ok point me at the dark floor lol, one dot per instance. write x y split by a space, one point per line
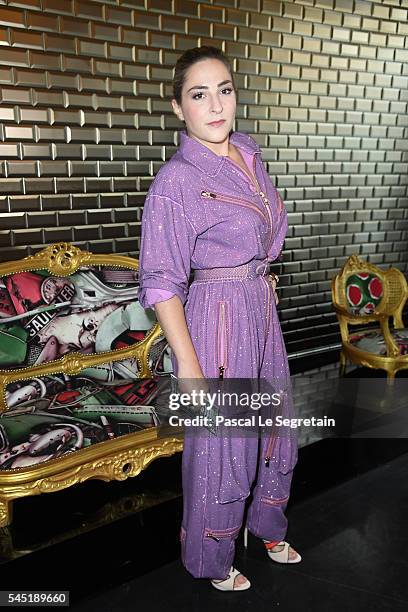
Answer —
115 545
352 538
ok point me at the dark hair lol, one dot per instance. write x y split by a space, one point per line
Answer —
190 57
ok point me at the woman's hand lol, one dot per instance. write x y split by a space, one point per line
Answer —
191 378
274 281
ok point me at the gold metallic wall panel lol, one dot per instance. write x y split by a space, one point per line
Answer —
86 122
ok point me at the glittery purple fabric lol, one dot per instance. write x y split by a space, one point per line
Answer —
202 211
152 296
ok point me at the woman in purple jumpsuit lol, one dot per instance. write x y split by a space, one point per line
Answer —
212 208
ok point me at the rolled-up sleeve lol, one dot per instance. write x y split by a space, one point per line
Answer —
167 244
280 232
152 296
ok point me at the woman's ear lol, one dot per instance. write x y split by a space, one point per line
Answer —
177 109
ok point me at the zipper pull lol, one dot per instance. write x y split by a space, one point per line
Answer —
210 535
267 459
221 369
208 194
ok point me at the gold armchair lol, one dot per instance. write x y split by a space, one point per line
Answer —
363 293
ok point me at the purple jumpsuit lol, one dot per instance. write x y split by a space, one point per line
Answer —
202 211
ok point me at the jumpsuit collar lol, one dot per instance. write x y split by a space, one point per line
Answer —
206 160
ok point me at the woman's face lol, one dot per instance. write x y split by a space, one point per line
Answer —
208 95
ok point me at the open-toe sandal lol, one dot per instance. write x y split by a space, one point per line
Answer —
282 556
229 584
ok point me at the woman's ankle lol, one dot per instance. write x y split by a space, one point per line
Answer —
270 544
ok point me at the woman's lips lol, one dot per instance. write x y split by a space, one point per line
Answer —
217 123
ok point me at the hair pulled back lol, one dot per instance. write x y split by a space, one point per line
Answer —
190 57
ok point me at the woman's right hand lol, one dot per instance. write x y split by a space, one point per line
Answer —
191 378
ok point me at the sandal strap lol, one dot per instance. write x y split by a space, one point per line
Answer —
270 545
284 552
230 578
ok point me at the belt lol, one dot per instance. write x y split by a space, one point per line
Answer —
250 270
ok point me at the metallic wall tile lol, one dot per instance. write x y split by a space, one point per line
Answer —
322 86
13 18
272 7
26 40
76 27
88 9
42 219
71 218
95 49
119 52
42 22
21 168
29 4
12 220
76 64
118 15
5 239
27 237
54 202
58 234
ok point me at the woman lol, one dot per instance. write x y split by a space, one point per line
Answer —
212 208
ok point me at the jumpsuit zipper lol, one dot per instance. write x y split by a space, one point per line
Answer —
222 533
265 201
269 449
272 438
240 201
222 341
268 219
233 200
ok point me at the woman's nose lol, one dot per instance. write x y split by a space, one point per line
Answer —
216 105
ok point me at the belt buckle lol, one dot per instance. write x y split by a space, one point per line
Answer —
265 264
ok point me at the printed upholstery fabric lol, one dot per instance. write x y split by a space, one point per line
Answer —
69 413
364 292
43 317
372 341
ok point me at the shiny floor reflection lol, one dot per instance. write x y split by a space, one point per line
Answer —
352 539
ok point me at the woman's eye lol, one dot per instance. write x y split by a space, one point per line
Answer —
200 93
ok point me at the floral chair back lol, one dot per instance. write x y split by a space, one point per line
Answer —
363 294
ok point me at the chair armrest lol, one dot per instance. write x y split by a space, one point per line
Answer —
392 347
345 317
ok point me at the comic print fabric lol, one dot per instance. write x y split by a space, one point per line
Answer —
70 413
54 415
373 341
44 317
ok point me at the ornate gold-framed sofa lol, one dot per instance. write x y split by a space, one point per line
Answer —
363 293
82 365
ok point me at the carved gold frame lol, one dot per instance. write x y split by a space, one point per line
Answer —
115 459
392 305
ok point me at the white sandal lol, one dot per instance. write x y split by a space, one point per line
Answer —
282 556
229 583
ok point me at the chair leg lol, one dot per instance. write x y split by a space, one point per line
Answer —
6 512
342 370
390 377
